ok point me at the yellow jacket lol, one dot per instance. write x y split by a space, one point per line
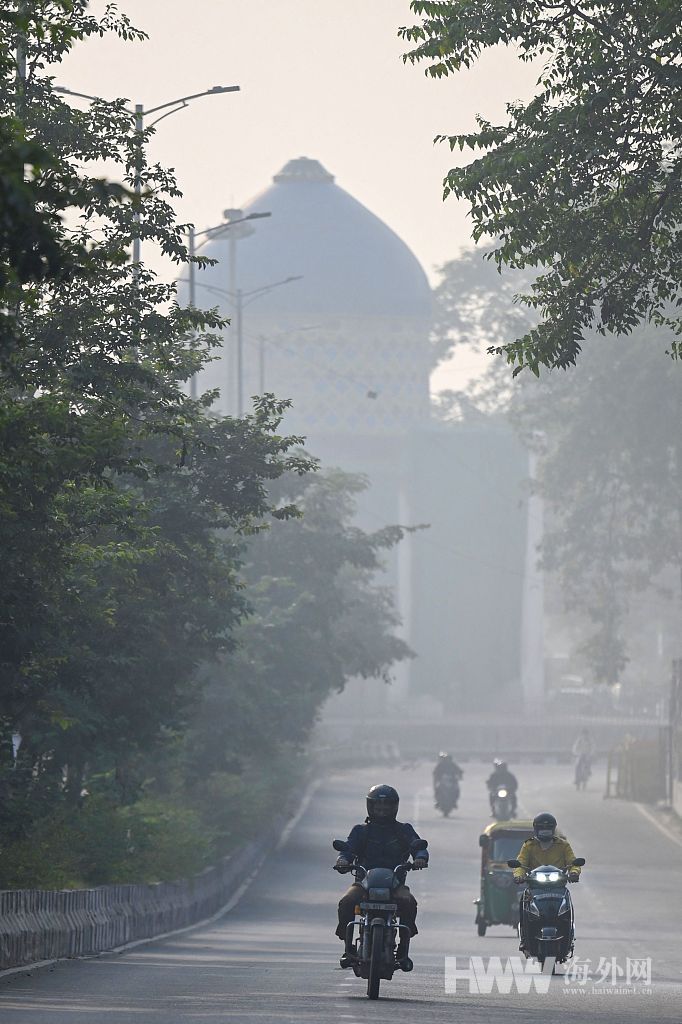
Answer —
531 855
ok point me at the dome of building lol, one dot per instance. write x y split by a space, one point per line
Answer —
347 340
348 259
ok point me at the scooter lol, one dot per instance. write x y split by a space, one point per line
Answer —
503 804
371 953
546 926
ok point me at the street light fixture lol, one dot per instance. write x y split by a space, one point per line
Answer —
216 232
238 298
140 113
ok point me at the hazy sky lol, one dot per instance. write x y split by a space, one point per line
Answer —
319 78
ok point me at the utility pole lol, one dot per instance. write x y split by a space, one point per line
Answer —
261 365
191 247
227 228
137 220
239 300
20 79
240 356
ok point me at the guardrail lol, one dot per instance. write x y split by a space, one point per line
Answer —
37 925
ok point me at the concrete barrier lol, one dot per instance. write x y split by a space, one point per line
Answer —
38 925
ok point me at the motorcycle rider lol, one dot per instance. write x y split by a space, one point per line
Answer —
381 842
502 777
544 847
446 769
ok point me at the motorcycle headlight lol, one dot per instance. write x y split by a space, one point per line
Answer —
502 792
380 895
547 876
533 909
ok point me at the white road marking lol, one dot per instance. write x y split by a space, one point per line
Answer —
661 828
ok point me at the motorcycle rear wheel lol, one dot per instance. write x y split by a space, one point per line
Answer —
374 977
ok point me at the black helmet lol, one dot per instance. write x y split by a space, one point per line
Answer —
544 826
382 803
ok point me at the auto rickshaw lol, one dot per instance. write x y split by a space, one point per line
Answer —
499 899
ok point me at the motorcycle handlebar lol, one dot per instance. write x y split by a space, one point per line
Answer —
357 868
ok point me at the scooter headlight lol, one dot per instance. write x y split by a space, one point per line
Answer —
548 876
502 792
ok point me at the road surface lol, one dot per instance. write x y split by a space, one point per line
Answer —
274 957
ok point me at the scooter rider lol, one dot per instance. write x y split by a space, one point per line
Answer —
502 777
545 847
381 842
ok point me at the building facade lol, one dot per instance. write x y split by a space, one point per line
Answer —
331 309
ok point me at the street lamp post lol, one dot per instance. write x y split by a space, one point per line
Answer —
226 228
171 107
240 304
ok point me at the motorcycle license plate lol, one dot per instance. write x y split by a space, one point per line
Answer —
392 907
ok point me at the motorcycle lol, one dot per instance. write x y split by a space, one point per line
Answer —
583 770
446 794
547 926
371 953
503 804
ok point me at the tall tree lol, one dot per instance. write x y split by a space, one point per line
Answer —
583 182
113 483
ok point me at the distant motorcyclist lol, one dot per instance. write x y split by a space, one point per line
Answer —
501 777
381 842
446 768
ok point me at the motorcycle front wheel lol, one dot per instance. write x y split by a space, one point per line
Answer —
374 977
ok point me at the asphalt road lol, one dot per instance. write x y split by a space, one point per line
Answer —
274 957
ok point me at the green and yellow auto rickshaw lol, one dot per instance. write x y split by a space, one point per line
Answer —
499 899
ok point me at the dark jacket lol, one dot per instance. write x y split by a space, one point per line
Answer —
502 777
382 845
445 769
